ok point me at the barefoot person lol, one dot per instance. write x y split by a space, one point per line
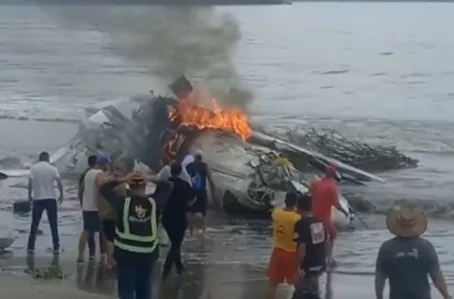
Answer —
326 195
42 193
282 266
310 236
200 173
90 213
91 236
136 235
408 259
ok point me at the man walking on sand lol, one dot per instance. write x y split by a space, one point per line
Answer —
407 259
41 193
282 266
310 236
90 199
91 236
200 173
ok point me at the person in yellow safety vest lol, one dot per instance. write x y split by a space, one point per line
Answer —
136 235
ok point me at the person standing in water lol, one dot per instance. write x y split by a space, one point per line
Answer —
41 192
326 195
136 247
200 173
282 265
174 218
90 213
407 259
310 236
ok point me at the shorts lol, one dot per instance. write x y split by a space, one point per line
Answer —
200 205
331 230
91 221
282 266
108 229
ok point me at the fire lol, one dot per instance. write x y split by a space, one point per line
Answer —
224 119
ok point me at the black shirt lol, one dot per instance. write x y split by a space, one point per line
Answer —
177 205
309 231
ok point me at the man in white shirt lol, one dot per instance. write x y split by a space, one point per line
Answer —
41 191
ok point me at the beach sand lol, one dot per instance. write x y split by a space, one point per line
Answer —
228 263
223 281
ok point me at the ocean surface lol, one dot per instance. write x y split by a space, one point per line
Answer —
377 72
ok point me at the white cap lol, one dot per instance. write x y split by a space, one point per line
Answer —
198 153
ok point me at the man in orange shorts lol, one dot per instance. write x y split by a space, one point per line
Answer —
326 195
283 261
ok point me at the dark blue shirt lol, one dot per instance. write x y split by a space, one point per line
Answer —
198 171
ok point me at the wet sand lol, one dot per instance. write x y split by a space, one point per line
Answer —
92 282
229 262
205 278
200 281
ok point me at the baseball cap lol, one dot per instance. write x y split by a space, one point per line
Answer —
102 159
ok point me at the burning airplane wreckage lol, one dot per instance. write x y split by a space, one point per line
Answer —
251 169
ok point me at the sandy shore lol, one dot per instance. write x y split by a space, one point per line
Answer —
221 284
26 287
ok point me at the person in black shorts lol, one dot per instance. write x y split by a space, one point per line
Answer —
200 173
91 236
91 222
310 236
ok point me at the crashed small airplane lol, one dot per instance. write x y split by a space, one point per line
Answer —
251 169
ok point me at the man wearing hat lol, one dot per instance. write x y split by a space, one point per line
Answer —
135 234
408 259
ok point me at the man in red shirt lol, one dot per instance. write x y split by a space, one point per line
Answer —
326 195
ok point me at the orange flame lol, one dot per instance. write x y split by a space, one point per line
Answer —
224 119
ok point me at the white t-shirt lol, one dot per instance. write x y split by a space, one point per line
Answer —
164 174
43 176
90 194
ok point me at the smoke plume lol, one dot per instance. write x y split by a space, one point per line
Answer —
199 42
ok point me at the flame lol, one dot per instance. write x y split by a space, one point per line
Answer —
225 119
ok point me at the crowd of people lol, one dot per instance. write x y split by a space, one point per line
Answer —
304 235
115 204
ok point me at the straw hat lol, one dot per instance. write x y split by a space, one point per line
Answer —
406 222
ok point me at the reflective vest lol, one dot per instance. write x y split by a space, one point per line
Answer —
140 240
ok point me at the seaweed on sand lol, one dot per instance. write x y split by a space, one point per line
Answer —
49 272
372 157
